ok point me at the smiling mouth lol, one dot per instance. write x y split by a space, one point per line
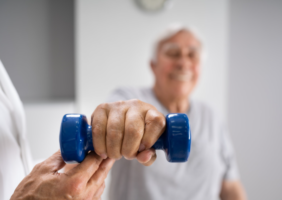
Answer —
181 77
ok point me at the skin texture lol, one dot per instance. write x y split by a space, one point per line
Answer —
84 181
127 128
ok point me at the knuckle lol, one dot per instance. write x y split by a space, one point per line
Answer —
42 167
95 184
75 190
102 168
102 106
148 143
158 120
76 187
37 167
97 130
119 103
135 102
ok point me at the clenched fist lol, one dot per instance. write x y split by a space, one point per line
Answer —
127 128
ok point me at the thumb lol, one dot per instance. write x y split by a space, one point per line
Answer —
54 163
147 157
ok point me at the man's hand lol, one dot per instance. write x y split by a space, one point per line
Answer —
127 128
85 181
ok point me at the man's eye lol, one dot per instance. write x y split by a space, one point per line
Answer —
173 54
193 55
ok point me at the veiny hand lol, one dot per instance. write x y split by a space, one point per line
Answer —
85 181
127 128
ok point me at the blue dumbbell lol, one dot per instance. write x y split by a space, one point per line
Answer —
76 138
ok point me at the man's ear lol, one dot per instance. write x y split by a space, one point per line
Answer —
153 66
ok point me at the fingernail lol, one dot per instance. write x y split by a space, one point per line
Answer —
128 158
104 155
119 158
142 147
151 155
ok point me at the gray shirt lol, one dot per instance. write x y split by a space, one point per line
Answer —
211 160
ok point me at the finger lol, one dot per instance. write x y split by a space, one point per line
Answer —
87 168
69 166
147 157
99 192
52 164
99 124
133 133
115 131
99 176
154 128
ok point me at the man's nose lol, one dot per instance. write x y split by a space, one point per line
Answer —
184 62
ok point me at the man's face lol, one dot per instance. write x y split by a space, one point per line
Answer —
177 66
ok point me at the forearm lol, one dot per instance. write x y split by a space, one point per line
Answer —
234 196
232 190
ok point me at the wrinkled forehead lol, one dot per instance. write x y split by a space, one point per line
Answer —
181 39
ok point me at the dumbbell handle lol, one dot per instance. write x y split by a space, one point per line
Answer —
89 144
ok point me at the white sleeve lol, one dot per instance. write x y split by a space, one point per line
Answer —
12 168
18 116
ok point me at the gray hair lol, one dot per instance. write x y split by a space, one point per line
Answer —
171 31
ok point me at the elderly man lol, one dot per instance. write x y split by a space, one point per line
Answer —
132 122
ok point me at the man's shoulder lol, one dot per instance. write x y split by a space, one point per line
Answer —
126 93
204 110
127 90
206 121
201 106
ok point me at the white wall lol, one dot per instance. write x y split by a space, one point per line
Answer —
255 94
113 45
43 126
37 47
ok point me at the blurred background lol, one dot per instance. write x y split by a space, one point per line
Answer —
67 56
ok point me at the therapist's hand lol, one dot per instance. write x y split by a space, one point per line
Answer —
85 181
127 128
